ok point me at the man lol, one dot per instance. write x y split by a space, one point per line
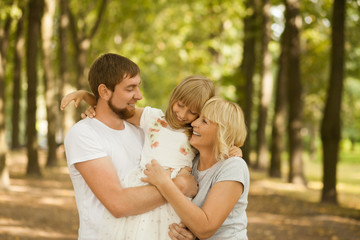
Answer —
101 151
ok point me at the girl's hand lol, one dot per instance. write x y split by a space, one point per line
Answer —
90 112
235 152
76 96
156 174
179 231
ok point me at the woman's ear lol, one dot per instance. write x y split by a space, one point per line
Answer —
104 92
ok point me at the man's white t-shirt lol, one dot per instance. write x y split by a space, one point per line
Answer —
91 139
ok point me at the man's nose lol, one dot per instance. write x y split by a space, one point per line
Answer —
138 94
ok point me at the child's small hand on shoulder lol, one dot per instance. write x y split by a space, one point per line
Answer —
235 152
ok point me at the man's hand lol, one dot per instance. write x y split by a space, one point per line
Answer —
179 231
186 182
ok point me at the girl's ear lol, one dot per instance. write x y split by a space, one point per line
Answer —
104 92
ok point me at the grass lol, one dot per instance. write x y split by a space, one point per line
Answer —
348 176
348 167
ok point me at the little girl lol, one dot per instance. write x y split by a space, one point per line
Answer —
167 141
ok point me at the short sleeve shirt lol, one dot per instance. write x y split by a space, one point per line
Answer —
232 169
90 139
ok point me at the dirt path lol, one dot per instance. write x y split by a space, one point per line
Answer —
45 208
296 214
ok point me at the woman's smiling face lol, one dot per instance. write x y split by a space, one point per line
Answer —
204 133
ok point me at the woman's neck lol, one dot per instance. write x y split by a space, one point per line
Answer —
207 159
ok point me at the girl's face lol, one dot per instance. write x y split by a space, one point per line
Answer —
184 114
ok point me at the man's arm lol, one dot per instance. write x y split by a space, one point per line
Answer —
101 177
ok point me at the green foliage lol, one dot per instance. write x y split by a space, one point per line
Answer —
316 43
315 58
8 8
352 35
351 110
171 40
85 12
351 101
349 152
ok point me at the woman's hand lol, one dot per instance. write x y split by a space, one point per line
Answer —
235 152
179 231
156 174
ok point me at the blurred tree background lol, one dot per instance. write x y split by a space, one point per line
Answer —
292 65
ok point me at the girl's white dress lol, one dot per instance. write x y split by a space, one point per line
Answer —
171 149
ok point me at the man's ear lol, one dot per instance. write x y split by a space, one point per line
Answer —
104 92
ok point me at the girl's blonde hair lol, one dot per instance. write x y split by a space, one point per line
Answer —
229 118
193 91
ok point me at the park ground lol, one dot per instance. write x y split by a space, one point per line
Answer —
44 208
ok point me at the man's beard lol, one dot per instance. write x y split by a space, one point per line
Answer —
122 113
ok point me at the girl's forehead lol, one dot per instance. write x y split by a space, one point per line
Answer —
192 105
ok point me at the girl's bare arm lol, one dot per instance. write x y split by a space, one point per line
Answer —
77 97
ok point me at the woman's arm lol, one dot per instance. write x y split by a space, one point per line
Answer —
205 221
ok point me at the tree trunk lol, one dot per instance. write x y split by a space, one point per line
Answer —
4 42
279 121
266 83
293 23
82 43
313 130
81 54
66 117
330 127
247 69
35 9
18 56
47 27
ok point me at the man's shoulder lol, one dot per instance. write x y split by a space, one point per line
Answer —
84 123
82 127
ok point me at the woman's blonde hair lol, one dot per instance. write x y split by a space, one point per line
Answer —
193 91
229 118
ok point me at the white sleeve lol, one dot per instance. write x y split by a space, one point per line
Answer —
82 144
149 116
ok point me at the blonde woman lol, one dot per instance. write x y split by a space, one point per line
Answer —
218 210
